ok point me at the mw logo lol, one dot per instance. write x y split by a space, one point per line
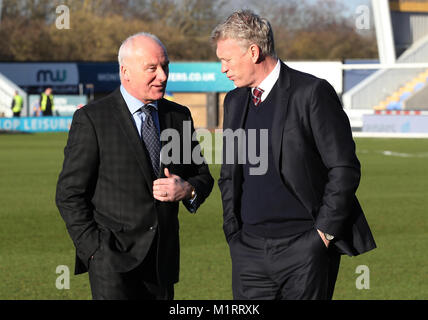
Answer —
48 75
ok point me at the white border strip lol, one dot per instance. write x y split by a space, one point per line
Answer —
366 66
389 135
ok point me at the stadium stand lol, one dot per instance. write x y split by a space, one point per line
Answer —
378 87
392 88
419 100
397 100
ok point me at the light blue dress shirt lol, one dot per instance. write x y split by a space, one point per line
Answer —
134 106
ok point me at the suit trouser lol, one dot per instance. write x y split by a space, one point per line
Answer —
138 284
295 267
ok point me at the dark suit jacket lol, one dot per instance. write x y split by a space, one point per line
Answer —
104 191
314 154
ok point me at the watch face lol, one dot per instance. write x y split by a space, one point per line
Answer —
329 237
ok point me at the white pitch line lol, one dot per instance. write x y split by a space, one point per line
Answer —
404 155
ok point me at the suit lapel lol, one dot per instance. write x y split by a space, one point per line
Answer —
127 124
241 111
240 114
165 122
281 96
242 105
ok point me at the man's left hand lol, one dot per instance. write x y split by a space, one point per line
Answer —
172 188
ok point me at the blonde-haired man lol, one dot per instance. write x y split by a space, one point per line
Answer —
287 227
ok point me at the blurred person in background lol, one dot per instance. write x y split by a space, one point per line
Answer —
47 102
288 227
119 202
17 104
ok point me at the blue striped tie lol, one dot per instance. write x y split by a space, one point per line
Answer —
150 136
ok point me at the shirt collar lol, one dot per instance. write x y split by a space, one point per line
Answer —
133 103
268 83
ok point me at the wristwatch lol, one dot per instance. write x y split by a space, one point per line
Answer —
328 237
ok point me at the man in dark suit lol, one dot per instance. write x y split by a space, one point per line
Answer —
287 225
119 201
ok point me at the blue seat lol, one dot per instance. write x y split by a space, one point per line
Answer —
405 95
394 106
418 86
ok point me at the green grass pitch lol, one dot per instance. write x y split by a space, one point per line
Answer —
33 239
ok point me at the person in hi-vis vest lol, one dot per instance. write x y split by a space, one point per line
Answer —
47 102
17 104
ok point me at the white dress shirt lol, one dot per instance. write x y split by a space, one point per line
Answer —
268 83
